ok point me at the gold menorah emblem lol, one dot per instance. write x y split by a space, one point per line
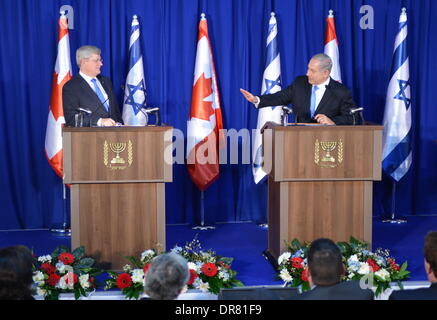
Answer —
328 160
117 162
117 148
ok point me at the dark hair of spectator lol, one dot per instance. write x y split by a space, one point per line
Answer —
325 262
166 277
430 251
16 271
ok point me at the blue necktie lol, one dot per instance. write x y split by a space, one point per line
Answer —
100 94
313 101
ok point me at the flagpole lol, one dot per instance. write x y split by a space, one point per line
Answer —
393 218
64 231
202 215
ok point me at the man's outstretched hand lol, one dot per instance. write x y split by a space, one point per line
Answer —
249 97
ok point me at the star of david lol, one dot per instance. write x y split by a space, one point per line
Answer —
270 84
403 85
130 99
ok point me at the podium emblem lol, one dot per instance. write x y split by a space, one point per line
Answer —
325 151
114 161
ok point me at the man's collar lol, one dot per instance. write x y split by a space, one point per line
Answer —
323 84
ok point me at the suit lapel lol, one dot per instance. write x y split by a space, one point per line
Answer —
89 91
326 96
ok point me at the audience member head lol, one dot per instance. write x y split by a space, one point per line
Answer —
325 266
166 277
430 252
16 273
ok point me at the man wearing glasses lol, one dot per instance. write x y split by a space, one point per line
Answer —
90 92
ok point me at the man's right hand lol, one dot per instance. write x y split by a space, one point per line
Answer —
249 97
107 122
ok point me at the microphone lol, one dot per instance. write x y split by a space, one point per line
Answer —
87 111
355 110
150 110
358 110
286 111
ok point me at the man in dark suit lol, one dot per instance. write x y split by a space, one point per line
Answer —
91 91
429 293
315 97
325 269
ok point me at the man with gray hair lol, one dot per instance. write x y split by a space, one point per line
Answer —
315 97
167 276
90 91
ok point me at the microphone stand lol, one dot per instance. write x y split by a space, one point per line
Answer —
202 215
393 219
66 232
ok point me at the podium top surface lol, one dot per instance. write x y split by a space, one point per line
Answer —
117 128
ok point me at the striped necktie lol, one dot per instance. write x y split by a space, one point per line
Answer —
313 101
100 94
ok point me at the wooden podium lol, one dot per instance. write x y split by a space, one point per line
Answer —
117 177
320 182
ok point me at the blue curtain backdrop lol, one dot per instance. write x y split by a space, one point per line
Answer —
31 193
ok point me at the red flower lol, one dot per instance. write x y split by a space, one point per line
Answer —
193 276
123 281
394 265
71 278
48 268
53 279
305 275
209 269
92 282
296 262
146 268
66 258
372 265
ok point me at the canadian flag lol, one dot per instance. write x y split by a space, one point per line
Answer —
205 116
331 46
56 120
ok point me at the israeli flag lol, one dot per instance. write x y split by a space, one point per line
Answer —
135 88
397 136
271 84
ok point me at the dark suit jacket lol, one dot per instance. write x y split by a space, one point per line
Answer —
416 294
77 93
347 290
335 103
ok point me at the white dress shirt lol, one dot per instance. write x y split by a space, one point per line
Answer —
105 95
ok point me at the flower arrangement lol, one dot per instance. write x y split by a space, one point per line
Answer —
378 268
65 272
208 272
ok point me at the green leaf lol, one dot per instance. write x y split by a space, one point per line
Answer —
79 253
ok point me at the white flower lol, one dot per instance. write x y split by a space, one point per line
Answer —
176 249
41 292
62 283
138 276
147 254
127 268
364 269
285 275
384 274
43 259
352 259
203 286
38 278
194 267
223 275
199 266
284 257
84 281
